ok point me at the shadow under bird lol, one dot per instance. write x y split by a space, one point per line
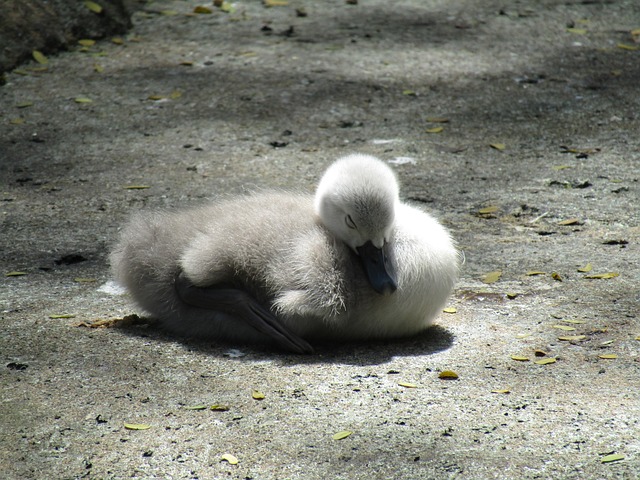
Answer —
351 263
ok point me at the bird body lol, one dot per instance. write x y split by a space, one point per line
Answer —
290 268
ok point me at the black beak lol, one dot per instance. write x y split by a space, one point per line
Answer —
378 271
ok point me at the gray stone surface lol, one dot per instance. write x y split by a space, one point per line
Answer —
343 78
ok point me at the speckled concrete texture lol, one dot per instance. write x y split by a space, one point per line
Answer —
535 169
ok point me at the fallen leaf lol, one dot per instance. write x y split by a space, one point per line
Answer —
638 337
93 6
624 46
556 276
87 42
39 57
501 391
523 335
545 361
24 104
155 97
578 31
82 100
572 338
448 375
409 93
566 328
531 273
275 3
576 322
175 94
569 221
227 7
98 68
450 310
492 277
614 457
17 121
117 40
342 434
488 210
84 280
608 356
587 268
498 146
168 13
608 342
137 426
407 385
55 316
15 274
257 395
219 408
231 459
434 130
202 10
519 358
512 295
196 407
603 275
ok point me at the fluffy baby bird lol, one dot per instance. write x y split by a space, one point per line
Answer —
351 263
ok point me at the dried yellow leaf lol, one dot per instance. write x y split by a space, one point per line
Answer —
635 32
275 3
512 295
155 97
341 435
488 210
137 426
624 46
117 40
498 146
39 57
587 268
202 10
196 407
98 68
448 375
219 407
545 361
409 93
450 310
519 358
14 274
531 273
168 13
569 221
638 337
556 276
17 121
565 328
579 31
93 6
503 391
87 42
572 338
82 100
231 459
608 356
434 130
407 385
603 275
575 322
175 94
55 316
614 457
492 277
24 104
257 395
523 335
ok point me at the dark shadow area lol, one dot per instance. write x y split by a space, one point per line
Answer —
372 352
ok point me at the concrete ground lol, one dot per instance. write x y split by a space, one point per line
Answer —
515 122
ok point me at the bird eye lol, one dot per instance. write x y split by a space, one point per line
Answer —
350 223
